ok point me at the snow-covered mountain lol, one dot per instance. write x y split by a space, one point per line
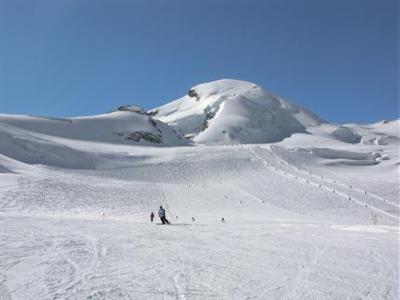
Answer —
123 126
314 215
231 111
52 141
48 140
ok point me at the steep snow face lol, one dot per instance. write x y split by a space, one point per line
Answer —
121 127
231 111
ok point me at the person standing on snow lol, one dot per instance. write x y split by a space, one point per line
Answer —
151 216
161 214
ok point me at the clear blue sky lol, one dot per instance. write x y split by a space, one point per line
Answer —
76 57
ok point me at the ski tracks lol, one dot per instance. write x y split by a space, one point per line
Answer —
318 181
82 253
300 285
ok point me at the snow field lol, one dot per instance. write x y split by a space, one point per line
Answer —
283 238
64 259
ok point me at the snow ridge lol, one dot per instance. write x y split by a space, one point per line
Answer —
230 111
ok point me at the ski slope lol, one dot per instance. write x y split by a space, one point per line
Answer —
46 258
283 238
312 216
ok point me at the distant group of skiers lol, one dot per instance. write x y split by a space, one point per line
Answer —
163 218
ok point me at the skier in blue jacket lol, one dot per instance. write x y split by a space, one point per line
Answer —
161 214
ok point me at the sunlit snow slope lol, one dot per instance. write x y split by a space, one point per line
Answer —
231 111
313 215
45 140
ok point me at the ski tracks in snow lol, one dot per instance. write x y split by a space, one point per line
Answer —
54 263
317 181
82 254
115 260
302 278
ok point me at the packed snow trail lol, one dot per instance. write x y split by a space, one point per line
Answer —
286 169
326 180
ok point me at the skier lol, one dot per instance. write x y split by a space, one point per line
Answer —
161 214
151 216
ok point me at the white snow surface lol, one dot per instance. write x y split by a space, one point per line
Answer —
115 127
313 216
230 111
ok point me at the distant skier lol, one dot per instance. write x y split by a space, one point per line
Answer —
223 220
151 216
161 214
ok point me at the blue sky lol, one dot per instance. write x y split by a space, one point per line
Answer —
337 58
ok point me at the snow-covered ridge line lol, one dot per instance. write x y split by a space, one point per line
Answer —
225 111
220 112
230 111
122 126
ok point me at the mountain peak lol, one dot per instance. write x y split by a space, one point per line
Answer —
225 87
230 111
